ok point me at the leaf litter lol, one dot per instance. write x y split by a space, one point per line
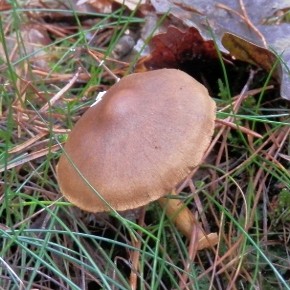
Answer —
242 28
190 33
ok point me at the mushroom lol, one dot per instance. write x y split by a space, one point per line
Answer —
138 143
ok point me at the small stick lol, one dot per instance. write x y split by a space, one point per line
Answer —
226 122
61 92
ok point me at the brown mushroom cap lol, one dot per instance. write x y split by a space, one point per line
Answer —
139 142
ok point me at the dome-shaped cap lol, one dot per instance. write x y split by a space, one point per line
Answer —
139 142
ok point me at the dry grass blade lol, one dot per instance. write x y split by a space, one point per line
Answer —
32 156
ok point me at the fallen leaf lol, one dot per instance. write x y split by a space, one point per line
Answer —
29 42
4 5
247 51
243 27
175 47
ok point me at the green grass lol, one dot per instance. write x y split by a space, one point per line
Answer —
241 191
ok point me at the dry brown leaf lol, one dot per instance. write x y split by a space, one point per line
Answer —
174 47
30 42
244 26
131 4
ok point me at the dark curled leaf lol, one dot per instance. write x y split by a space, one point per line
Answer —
175 47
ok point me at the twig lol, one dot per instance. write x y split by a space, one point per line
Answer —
243 129
61 92
245 18
32 156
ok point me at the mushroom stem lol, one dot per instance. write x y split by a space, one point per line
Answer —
185 221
